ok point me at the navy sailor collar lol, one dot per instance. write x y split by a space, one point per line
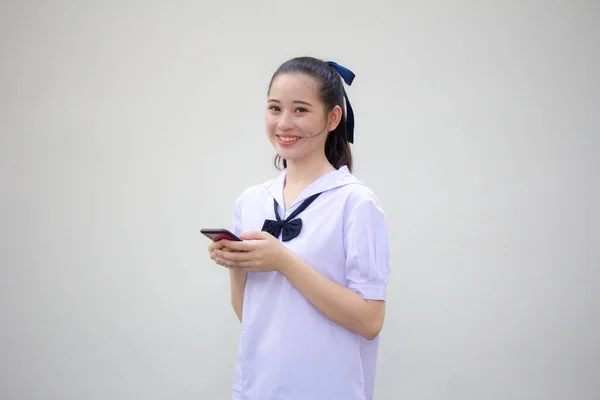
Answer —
331 180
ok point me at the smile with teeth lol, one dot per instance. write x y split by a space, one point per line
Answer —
288 139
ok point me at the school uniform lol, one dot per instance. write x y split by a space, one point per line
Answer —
287 348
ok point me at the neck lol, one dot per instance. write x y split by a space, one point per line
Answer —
301 173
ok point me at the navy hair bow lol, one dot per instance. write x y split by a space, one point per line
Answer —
348 77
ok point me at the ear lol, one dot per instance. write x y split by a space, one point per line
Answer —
334 118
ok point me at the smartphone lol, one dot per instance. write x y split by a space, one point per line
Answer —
217 234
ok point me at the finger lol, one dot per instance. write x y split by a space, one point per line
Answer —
226 266
214 257
248 266
232 256
223 263
215 245
213 253
237 260
222 248
238 246
234 265
255 235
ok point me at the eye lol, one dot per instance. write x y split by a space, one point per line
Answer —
301 109
273 108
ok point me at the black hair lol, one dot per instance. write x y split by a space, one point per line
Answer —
331 94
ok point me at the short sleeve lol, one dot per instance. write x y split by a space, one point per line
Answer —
367 246
236 218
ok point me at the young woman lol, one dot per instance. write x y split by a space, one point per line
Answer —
309 280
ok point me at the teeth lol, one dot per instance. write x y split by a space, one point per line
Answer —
288 139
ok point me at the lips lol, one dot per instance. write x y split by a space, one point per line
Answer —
287 140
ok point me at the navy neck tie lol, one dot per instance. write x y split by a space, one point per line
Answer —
290 227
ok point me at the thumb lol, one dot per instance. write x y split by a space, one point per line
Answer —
254 235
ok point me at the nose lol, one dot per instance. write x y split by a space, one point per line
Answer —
285 122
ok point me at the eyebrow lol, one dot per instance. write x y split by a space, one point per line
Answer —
295 101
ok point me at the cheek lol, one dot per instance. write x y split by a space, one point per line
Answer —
314 124
270 123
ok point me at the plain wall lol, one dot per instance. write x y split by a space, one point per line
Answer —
128 126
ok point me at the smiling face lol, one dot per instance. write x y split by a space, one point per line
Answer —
296 120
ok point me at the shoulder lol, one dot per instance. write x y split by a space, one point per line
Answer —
358 196
255 193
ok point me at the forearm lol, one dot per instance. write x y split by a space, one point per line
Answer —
238 284
338 303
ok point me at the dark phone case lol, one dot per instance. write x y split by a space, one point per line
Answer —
217 234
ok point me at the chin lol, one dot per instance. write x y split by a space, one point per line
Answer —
288 152
288 155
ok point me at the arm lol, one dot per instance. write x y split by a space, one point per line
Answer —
263 253
237 277
238 284
338 303
360 307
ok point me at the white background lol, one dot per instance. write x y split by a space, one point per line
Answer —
128 126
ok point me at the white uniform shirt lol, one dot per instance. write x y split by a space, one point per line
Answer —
288 349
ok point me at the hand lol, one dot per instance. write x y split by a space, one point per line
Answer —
259 252
213 247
